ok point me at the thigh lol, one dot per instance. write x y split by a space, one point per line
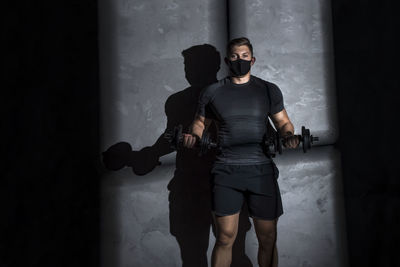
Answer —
226 226
226 200
265 207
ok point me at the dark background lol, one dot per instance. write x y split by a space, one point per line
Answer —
367 83
50 183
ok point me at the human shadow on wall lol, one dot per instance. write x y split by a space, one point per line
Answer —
190 191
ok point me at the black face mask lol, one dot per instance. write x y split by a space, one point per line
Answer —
239 67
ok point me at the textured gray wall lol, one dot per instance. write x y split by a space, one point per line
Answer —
141 61
141 66
293 48
136 229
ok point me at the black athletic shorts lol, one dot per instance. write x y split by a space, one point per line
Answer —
257 184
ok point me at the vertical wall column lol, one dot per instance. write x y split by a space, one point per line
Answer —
142 65
293 49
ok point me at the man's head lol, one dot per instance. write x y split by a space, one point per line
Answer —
239 56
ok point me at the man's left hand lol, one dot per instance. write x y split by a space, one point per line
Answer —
290 140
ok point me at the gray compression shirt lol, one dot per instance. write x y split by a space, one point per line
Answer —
241 112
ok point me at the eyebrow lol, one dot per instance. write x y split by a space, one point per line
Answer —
239 53
244 53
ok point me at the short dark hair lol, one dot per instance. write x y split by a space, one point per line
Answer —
238 42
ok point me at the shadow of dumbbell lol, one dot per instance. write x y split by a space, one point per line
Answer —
121 155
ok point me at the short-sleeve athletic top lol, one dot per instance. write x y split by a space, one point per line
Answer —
241 112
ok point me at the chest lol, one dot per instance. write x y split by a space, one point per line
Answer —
242 102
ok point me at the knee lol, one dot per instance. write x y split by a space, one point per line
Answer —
267 239
226 238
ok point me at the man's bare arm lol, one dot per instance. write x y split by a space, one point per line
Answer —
196 130
282 123
285 127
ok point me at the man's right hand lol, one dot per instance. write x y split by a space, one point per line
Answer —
189 140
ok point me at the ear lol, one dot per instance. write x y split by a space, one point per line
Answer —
253 60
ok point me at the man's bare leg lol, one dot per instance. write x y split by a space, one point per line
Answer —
266 235
226 230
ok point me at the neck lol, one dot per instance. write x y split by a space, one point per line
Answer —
242 79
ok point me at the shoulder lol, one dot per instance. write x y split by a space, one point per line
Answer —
265 83
210 89
271 87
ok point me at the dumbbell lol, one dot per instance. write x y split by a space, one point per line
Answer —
274 142
175 138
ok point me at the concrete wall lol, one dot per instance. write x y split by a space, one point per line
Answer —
162 218
293 47
146 84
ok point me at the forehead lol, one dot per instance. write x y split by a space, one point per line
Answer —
241 49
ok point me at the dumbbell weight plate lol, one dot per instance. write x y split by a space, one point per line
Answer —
204 142
309 139
178 135
174 136
305 139
279 143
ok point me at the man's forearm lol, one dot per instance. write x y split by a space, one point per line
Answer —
286 129
197 128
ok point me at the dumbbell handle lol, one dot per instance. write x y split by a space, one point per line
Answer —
277 141
199 141
175 138
205 144
283 139
300 137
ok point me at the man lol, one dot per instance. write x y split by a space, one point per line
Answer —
240 105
